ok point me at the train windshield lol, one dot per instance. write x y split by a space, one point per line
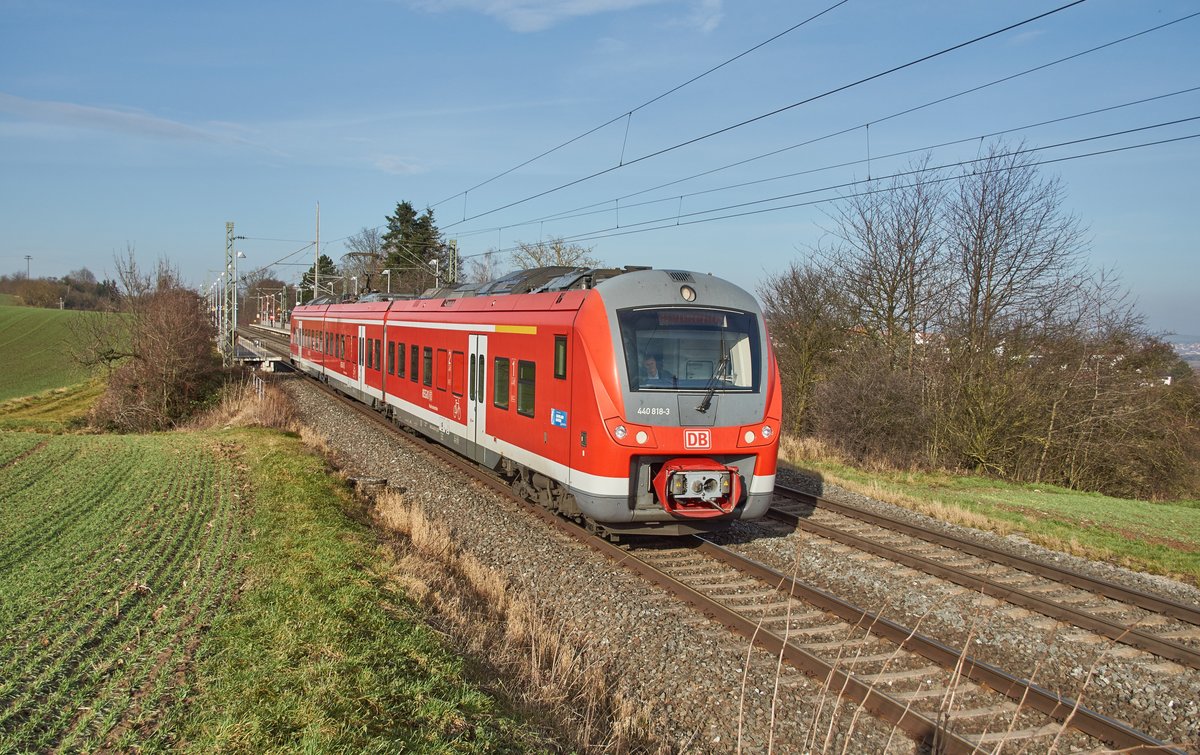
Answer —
678 348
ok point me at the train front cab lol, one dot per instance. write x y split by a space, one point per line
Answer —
692 410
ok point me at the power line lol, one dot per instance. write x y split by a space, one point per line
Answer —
695 218
612 232
841 132
565 214
900 153
652 100
777 111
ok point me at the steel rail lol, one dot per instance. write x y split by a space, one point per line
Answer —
1126 635
1052 704
1149 601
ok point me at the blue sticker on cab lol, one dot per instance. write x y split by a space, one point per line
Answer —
558 418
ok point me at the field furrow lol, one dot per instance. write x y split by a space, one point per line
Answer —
60 560
13 446
125 580
160 666
109 584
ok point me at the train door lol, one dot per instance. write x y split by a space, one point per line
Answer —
360 376
477 395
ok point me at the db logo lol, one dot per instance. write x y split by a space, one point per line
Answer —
697 439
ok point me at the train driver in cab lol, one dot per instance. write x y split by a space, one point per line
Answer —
653 373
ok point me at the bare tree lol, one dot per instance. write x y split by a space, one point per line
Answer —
157 350
1015 251
554 251
889 258
1016 259
484 267
250 285
364 259
960 329
807 315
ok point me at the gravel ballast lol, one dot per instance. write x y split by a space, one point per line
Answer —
698 683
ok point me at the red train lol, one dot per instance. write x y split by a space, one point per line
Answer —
644 401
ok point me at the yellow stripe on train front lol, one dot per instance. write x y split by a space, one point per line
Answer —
529 330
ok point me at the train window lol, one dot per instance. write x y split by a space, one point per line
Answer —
526 374
427 366
369 362
378 346
471 381
414 362
400 360
443 365
482 372
391 357
560 357
457 370
688 348
500 368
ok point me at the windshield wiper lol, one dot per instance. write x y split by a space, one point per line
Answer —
718 374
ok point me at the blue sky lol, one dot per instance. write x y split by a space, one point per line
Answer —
151 124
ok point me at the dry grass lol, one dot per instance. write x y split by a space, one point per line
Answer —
252 402
815 450
807 447
547 668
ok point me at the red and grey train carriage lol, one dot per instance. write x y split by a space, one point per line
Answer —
645 401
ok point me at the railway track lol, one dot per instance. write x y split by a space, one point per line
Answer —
1168 629
934 693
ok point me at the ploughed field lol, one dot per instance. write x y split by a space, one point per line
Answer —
115 553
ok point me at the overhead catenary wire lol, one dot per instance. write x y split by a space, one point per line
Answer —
849 129
599 208
681 219
629 114
677 220
603 207
695 218
578 211
772 113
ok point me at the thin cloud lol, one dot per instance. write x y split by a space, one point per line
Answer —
1026 37
706 16
526 16
130 122
398 166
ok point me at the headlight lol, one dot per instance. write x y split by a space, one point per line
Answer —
641 436
767 431
620 432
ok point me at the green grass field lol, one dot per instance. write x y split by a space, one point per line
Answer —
208 591
1162 538
36 348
